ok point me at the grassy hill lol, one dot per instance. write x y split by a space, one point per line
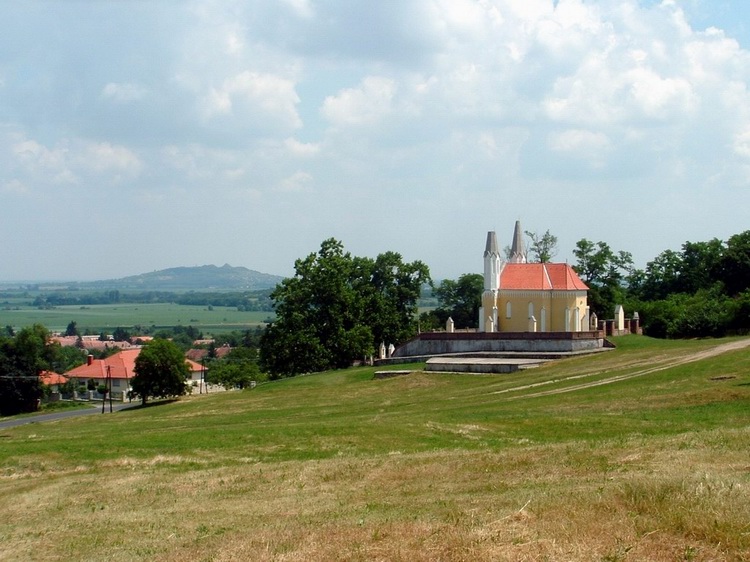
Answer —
636 454
199 278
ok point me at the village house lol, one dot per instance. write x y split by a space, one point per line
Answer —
52 379
90 342
121 368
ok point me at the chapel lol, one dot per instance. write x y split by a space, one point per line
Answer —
530 297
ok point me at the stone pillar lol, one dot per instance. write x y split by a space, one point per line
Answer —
619 317
489 325
532 324
391 349
381 351
449 326
594 321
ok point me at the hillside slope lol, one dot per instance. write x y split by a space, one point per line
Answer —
637 454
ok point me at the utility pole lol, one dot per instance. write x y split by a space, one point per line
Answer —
107 389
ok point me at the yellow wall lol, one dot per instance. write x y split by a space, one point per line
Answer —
548 304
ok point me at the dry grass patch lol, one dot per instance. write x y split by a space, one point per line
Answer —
626 501
424 467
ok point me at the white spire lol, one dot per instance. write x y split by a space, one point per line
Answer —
491 263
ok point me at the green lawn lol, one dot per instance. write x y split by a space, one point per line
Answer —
537 465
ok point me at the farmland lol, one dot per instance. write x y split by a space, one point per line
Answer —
635 454
98 318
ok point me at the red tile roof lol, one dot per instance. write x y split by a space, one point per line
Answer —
199 354
89 343
122 366
50 378
540 277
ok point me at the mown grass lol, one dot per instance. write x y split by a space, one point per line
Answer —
338 466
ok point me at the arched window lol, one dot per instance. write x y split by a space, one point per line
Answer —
531 309
543 320
507 309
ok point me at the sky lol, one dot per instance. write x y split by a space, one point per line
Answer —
139 135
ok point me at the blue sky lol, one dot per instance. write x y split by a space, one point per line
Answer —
136 136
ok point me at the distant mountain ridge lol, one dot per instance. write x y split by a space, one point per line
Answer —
198 278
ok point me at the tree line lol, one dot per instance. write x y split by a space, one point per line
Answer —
702 290
250 301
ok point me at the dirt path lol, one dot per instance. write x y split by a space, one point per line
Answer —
668 364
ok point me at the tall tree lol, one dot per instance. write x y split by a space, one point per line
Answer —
460 300
337 308
160 371
542 248
734 265
22 358
606 273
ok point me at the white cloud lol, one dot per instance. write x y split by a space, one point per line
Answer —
125 92
301 8
103 158
742 144
72 162
255 92
298 148
578 141
365 105
15 187
658 97
298 182
40 161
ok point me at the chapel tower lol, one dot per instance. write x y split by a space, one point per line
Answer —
532 297
492 268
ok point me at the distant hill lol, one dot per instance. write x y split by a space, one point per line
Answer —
200 278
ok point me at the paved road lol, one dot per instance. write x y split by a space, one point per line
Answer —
64 414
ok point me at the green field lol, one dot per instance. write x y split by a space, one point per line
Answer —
98 318
636 454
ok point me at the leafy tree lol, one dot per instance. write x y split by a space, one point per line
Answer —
104 352
337 308
460 300
160 371
67 358
607 274
733 268
700 265
21 360
542 248
72 329
390 289
121 334
236 370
